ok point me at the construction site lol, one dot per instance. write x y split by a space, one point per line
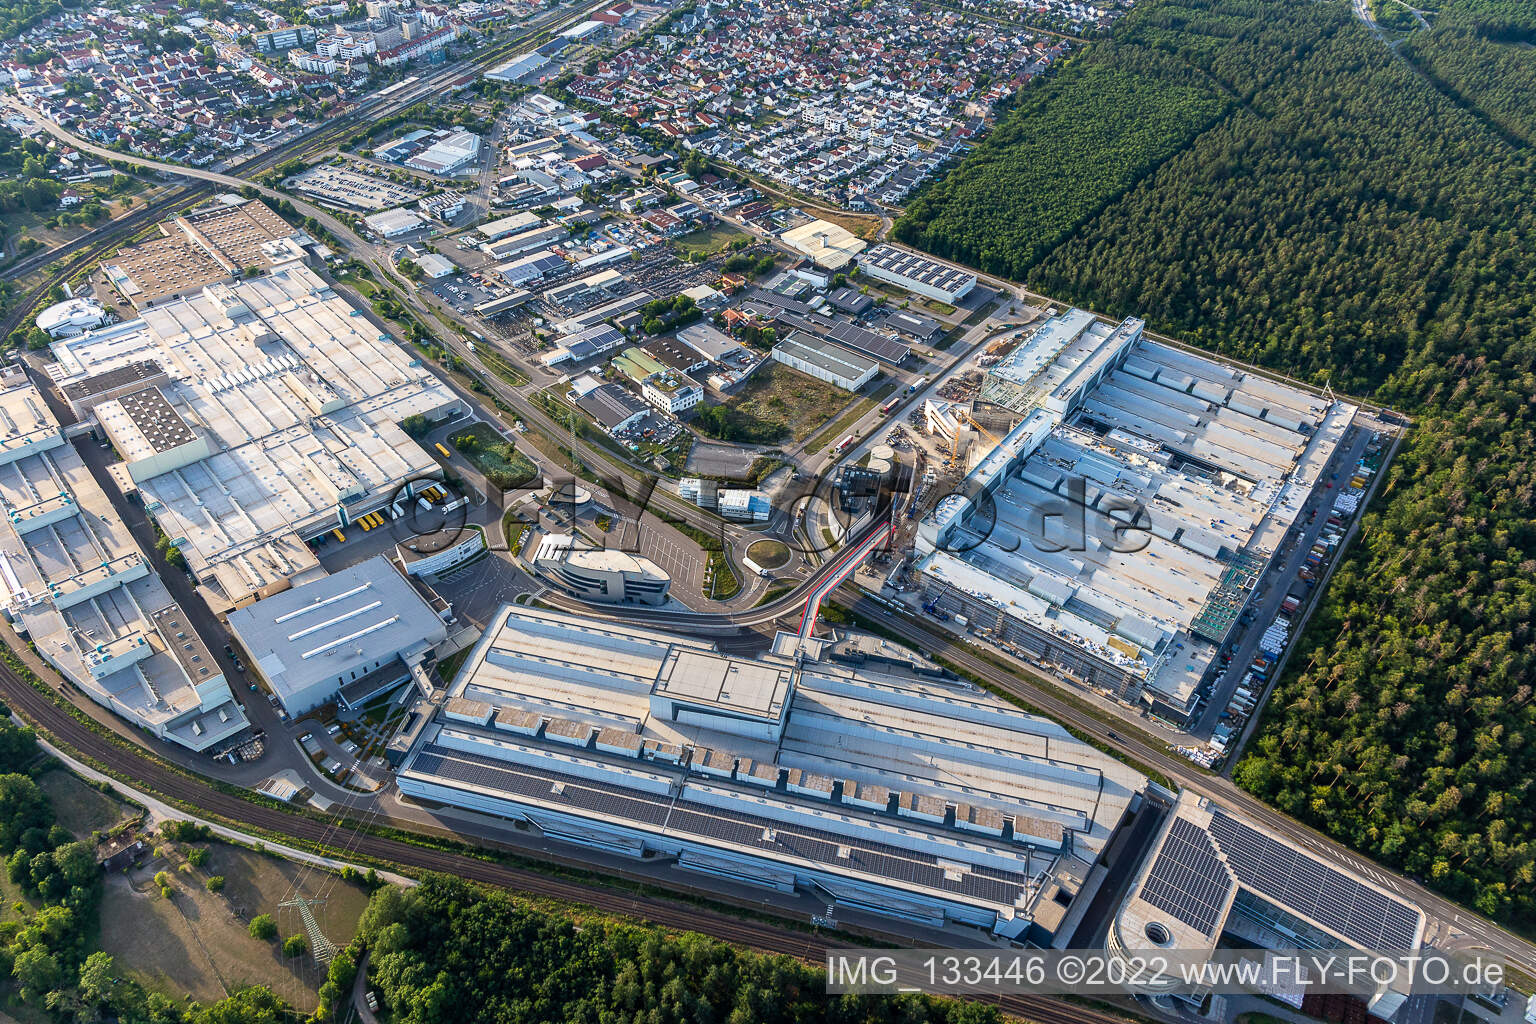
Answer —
1104 505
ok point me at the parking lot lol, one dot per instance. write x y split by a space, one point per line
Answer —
679 558
353 187
476 589
463 292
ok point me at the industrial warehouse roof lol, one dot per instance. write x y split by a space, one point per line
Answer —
394 222
917 267
299 400
322 630
830 358
1138 410
113 379
126 643
826 243
215 243
884 777
611 405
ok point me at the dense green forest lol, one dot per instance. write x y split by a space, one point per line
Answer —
1480 53
1350 221
1006 212
446 945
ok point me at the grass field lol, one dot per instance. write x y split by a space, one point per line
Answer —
197 944
726 584
498 364
709 240
773 593
848 419
494 456
779 396
768 554
364 287
80 807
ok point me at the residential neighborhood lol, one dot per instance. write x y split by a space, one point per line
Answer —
829 97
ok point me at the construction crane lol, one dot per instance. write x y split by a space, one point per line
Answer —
968 418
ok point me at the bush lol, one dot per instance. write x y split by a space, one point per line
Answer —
215 883
295 945
263 927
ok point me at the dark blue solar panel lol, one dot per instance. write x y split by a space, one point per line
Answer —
1188 880
1364 916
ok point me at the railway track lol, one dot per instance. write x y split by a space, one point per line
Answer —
63 728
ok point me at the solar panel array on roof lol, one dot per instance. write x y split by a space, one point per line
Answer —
769 836
162 426
1188 880
1369 918
917 268
111 380
887 350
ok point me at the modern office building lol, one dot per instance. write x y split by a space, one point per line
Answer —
917 273
671 392
744 506
252 416
885 787
601 574
1211 876
445 206
348 637
1117 530
74 583
831 363
70 317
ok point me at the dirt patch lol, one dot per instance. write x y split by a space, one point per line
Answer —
720 460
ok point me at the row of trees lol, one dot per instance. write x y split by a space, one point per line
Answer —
1348 221
446 946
